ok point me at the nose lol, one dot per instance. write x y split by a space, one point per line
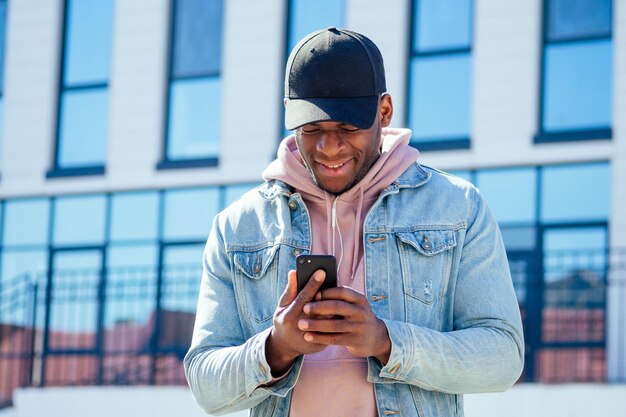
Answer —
330 143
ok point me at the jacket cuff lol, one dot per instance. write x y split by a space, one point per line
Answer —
279 386
400 359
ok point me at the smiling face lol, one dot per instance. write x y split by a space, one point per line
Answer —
339 155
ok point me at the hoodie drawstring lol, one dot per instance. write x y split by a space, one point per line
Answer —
335 225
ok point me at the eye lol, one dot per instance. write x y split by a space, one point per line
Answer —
310 130
350 129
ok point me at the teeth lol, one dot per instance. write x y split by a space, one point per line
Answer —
335 166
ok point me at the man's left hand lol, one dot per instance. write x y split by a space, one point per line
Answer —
343 316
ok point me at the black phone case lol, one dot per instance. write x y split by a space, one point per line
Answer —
306 265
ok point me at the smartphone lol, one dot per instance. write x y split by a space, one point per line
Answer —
306 265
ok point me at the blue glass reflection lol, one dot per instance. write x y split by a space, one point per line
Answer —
306 16
182 265
189 213
3 21
511 193
1 127
195 115
233 192
197 43
131 285
83 128
134 216
16 263
79 220
578 85
442 24
576 193
26 222
578 18
74 307
88 41
577 255
440 93
519 238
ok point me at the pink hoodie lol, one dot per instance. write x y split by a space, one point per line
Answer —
335 373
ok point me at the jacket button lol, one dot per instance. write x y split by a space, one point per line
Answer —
296 252
394 369
292 205
426 244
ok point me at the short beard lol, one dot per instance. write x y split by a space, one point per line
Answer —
360 174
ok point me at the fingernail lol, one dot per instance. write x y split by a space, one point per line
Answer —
303 325
308 337
306 309
319 278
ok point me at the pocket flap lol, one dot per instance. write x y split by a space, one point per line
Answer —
429 242
254 263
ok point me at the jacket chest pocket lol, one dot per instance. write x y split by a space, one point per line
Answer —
426 257
256 282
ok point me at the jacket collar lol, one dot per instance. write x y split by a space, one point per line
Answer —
414 176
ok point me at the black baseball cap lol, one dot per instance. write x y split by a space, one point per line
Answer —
333 75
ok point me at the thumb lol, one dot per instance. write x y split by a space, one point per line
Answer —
291 290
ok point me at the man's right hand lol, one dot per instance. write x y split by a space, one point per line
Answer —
286 341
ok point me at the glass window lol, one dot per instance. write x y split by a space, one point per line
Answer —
83 103
74 308
182 267
83 128
510 193
15 263
519 238
577 71
79 220
197 37
131 285
442 24
88 41
189 213
233 192
306 16
195 114
1 124
134 216
576 193
195 87
578 18
440 73
26 222
578 85
440 90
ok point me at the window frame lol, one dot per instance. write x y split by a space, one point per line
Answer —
413 54
575 134
167 163
57 171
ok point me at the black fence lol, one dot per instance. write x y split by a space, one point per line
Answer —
133 326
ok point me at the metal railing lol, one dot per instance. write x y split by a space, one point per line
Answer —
133 326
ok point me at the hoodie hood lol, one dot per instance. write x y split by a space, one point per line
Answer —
340 218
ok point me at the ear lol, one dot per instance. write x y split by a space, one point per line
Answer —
385 109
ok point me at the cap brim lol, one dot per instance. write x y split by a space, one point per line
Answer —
356 111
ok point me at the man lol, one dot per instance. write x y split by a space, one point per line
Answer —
424 310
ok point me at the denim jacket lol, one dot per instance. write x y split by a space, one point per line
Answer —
436 273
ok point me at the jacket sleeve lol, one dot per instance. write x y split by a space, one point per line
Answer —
225 371
485 350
